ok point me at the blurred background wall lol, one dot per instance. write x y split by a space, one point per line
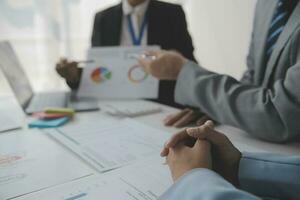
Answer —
41 31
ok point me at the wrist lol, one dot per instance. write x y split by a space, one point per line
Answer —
183 61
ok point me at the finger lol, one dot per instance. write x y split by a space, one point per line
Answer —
166 119
200 132
202 149
60 70
202 120
187 119
63 60
174 151
208 133
210 124
176 117
175 139
146 64
178 147
202 146
154 53
164 152
73 64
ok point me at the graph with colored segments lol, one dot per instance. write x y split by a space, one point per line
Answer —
116 75
136 74
100 74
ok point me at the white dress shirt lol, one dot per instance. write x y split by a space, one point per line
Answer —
137 16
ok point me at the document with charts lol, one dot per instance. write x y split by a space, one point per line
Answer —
146 180
31 161
114 73
109 144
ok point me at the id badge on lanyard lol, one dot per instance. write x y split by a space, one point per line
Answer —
136 40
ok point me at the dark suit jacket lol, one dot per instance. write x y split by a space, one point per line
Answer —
166 27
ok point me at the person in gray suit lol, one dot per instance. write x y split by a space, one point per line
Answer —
214 169
266 101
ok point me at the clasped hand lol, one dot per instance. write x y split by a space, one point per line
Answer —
202 147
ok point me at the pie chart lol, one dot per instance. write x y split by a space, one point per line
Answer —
100 74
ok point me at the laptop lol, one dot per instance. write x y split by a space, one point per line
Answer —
36 102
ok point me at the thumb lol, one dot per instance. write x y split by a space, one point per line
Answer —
156 53
202 149
207 132
201 132
202 146
145 64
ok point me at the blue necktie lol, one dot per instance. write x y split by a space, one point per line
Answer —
277 25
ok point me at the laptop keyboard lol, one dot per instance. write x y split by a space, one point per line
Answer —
40 101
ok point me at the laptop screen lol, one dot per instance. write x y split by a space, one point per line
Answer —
16 77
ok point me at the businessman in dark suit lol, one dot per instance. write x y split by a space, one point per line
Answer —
134 23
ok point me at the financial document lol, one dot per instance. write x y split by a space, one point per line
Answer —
114 73
145 180
24 168
109 144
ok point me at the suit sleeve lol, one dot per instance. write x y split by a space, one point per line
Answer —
272 176
183 38
248 76
268 113
193 187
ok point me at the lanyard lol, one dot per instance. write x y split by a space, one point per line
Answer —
136 40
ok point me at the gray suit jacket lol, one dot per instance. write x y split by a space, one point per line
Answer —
266 102
265 175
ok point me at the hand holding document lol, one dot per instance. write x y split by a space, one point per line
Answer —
115 74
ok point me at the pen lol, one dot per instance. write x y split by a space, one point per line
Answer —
85 61
143 56
81 62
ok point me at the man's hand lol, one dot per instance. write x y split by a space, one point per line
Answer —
185 117
182 159
166 65
225 156
68 70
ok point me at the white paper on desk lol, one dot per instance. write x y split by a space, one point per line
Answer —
110 144
11 114
31 161
115 74
142 181
7 123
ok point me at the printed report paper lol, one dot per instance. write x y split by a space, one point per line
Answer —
31 161
116 74
109 144
145 180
